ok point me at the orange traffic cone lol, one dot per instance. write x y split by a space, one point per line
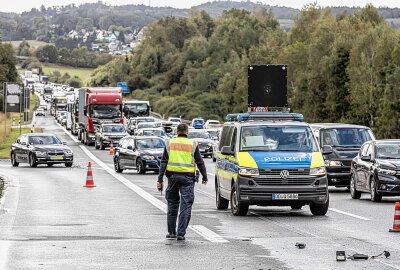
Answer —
111 152
396 223
89 177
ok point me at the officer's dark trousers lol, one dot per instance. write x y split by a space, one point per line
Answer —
180 196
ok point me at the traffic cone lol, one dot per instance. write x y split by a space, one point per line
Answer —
89 177
396 223
111 152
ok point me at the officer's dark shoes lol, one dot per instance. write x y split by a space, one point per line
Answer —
170 236
180 238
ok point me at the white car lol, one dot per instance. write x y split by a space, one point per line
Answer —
60 115
212 124
175 120
39 112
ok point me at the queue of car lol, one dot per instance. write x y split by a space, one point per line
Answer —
351 156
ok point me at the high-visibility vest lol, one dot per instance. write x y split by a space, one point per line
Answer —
181 155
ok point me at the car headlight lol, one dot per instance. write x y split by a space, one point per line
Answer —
248 171
333 163
148 157
319 171
40 153
386 171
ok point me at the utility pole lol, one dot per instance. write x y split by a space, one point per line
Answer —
5 108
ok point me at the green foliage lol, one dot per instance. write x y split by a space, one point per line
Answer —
8 71
74 82
76 57
24 49
47 53
35 64
342 68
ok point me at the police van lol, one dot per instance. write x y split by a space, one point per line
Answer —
269 158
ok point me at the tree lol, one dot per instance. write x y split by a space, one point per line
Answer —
23 48
47 53
35 64
65 77
121 37
8 71
74 82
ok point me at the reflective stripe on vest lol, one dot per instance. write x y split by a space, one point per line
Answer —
181 155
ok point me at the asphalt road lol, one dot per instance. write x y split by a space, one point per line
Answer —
48 220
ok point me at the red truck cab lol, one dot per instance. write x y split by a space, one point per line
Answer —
97 106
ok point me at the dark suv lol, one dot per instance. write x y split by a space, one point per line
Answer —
376 170
345 141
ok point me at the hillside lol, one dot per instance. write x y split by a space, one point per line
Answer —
49 23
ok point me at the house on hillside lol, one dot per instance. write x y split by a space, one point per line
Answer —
141 34
114 46
73 34
111 37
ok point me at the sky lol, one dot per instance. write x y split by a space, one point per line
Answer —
26 5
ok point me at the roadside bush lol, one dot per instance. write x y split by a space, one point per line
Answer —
74 82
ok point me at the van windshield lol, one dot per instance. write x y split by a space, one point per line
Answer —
345 137
277 138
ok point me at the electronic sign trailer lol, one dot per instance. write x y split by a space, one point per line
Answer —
267 88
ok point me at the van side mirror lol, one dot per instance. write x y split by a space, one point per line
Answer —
327 150
366 158
226 150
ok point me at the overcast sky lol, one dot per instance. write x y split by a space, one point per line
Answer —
25 5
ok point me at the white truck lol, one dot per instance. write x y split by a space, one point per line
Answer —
135 108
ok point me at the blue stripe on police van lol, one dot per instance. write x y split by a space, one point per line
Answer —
282 160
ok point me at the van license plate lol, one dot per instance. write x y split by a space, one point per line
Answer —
285 196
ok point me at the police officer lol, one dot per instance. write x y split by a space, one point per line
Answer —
180 157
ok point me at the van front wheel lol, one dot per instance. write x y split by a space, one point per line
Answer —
319 209
221 202
238 208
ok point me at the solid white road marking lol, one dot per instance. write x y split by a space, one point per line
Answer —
349 214
4 246
208 234
11 210
213 175
199 229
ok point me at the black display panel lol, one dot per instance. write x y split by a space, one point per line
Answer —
267 86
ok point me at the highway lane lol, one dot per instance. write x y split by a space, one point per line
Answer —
50 221
263 239
353 225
